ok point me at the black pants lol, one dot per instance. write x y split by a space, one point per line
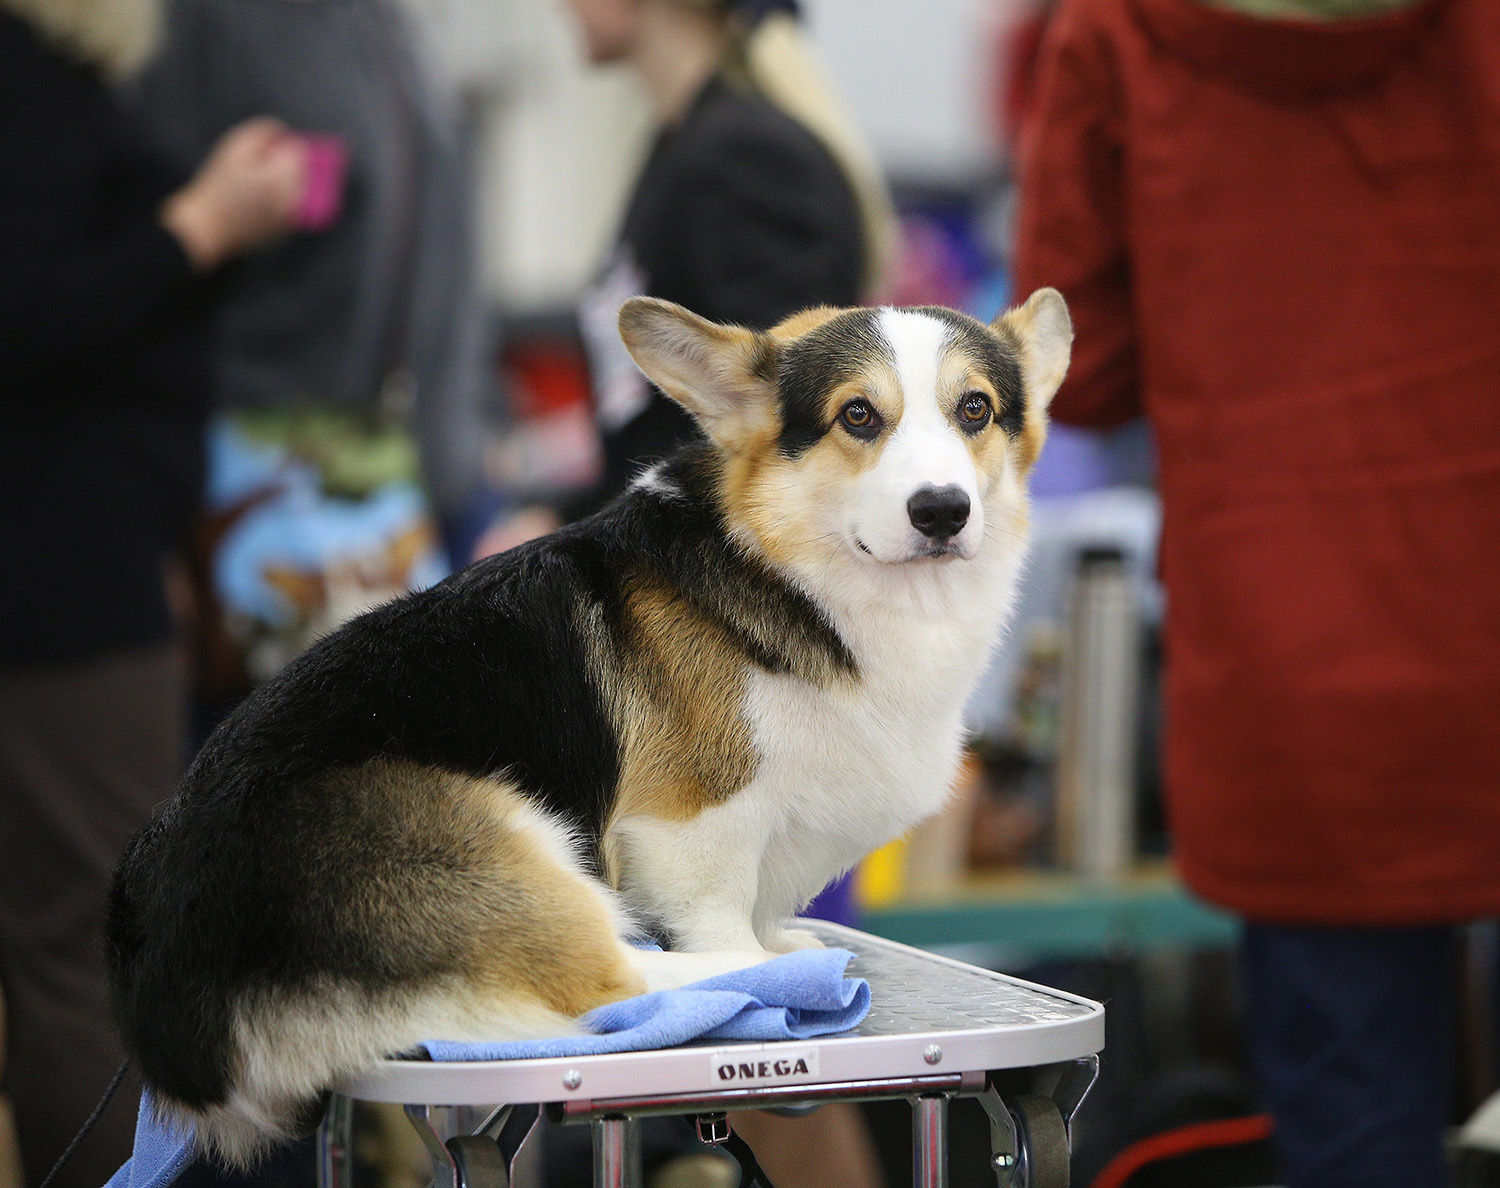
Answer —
1350 1032
86 753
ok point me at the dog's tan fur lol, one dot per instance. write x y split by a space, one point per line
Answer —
804 321
734 358
471 876
1027 330
678 707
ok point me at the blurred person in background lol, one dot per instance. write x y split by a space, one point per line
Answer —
108 258
351 376
757 199
1277 225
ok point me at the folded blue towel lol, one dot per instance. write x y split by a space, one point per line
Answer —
797 996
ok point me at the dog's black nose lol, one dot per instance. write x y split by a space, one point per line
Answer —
939 512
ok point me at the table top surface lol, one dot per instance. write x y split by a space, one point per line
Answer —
928 1015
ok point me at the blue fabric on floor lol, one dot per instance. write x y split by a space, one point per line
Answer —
796 996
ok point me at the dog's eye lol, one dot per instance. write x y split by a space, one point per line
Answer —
974 411
860 419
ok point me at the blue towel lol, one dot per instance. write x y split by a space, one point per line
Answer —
797 996
160 1155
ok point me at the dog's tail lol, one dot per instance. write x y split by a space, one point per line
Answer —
290 1048
173 1019
182 1022
245 1069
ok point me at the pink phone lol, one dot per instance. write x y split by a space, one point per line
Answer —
327 167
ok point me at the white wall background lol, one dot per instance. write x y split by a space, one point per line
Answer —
918 75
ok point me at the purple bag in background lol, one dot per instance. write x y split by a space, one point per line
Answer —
836 902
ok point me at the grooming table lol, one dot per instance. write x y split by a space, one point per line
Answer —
937 1030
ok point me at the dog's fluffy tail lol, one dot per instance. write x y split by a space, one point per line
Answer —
293 1051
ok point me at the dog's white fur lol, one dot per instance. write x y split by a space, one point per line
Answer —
925 450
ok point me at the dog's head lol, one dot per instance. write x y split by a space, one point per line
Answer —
895 436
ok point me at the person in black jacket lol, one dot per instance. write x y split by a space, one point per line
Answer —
105 259
757 199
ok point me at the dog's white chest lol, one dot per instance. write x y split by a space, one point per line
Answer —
845 769
880 748
841 768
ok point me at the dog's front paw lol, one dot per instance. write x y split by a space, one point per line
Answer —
669 971
789 940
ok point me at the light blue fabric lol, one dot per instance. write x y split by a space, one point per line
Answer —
161 1152
797 996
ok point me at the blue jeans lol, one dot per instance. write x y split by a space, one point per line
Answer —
1350 1031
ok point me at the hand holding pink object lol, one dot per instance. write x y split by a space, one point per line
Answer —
247 193
326 164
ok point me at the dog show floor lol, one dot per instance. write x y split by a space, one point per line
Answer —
936 1029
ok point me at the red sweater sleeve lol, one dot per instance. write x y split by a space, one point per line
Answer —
1071 228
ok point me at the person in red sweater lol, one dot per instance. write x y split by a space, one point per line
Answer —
1279 237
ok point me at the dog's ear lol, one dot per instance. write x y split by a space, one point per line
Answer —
1043 332
725 376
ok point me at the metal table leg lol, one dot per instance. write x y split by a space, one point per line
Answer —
617 1153
929 1141
336 1144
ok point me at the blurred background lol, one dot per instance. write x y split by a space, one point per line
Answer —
479 424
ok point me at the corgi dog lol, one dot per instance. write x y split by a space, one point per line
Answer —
682 716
